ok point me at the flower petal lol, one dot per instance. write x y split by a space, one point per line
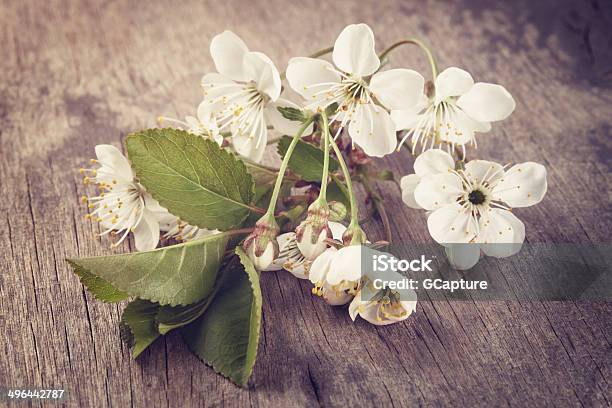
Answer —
463 256
408 185
372 129
484 170
452 81
280 123
451 224
354 307
523 185
405 118
438 190
310 77
146 233
282 240
335 297
227 51
487 102
345 265
433 161
252 148
457 127
215 87
259 68
501 233
114 162
354 51
321 266
337 230
398 88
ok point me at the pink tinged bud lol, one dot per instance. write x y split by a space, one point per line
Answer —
314 230
354 235
264 259
261 245
310 244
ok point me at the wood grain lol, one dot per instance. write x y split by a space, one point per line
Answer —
79 73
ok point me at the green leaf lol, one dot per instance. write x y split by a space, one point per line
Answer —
261 174
173 317
227 335
293 114
174 275
138 325
98 287
307 160
192 177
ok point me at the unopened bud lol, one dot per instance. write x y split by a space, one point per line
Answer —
354 235
261 245
313 232
337 211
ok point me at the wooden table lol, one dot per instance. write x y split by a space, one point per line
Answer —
80 73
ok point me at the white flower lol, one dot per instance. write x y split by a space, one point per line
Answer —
122 206
291 258
244 95
432 161
204 124
358 97
473 205
458 109
336 274
383 306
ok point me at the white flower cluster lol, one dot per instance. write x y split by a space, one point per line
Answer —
467 203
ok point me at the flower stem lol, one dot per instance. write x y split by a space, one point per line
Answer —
283 167
316 54
414 41
326 137
349 184
322 52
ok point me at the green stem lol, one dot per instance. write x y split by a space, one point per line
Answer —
349 184
326 137
283 167
414 41
317 54
322 52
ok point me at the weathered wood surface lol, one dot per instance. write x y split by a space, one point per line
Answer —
75 74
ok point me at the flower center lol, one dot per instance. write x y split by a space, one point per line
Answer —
476 197
355 91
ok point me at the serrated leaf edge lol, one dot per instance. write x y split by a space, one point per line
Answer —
229 155
153 299
258 314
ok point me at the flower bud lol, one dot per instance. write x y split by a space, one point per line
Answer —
337 211
264 260
261 245
314 230
354 235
